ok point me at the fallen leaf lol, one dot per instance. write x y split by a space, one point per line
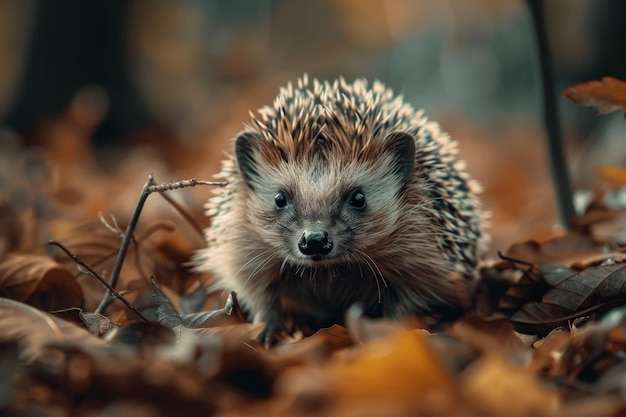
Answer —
603 283
563 249
166 314
594 289
548 352
40 281
606 96
505 287
501 389
496 335
34 329
96 323
403 368
98 246
614 174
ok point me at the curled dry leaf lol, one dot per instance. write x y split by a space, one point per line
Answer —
166 313
40 281
96 323
606 96
505 287
33 329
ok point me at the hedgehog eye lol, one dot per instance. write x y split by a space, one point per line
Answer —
357 200
280 200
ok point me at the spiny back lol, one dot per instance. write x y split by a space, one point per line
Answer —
340 118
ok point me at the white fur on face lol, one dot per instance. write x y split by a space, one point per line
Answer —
319 193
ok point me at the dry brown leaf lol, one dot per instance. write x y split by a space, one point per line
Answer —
606 96
597 259
40 281
562 249
96 323
34 329
98 246
548 351
496 335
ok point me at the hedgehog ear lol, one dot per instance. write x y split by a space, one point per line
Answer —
401 146
247 147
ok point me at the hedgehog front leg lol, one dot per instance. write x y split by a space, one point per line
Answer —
272 316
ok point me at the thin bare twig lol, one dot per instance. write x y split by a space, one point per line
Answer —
115 228
148 188
121 254
174 185
93 273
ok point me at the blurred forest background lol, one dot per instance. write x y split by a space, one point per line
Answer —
108 91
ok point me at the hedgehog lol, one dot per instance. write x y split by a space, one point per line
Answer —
340 194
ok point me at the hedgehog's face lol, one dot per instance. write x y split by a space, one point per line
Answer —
324 210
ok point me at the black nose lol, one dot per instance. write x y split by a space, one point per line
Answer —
315 242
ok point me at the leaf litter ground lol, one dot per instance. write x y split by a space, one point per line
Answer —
544 335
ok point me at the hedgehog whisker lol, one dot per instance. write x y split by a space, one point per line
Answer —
283 266
382 277
251 260
375 272
260 267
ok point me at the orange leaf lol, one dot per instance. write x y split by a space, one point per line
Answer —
606 96
503 389
402 368
611 173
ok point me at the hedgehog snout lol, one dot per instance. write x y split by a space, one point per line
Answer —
315 242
